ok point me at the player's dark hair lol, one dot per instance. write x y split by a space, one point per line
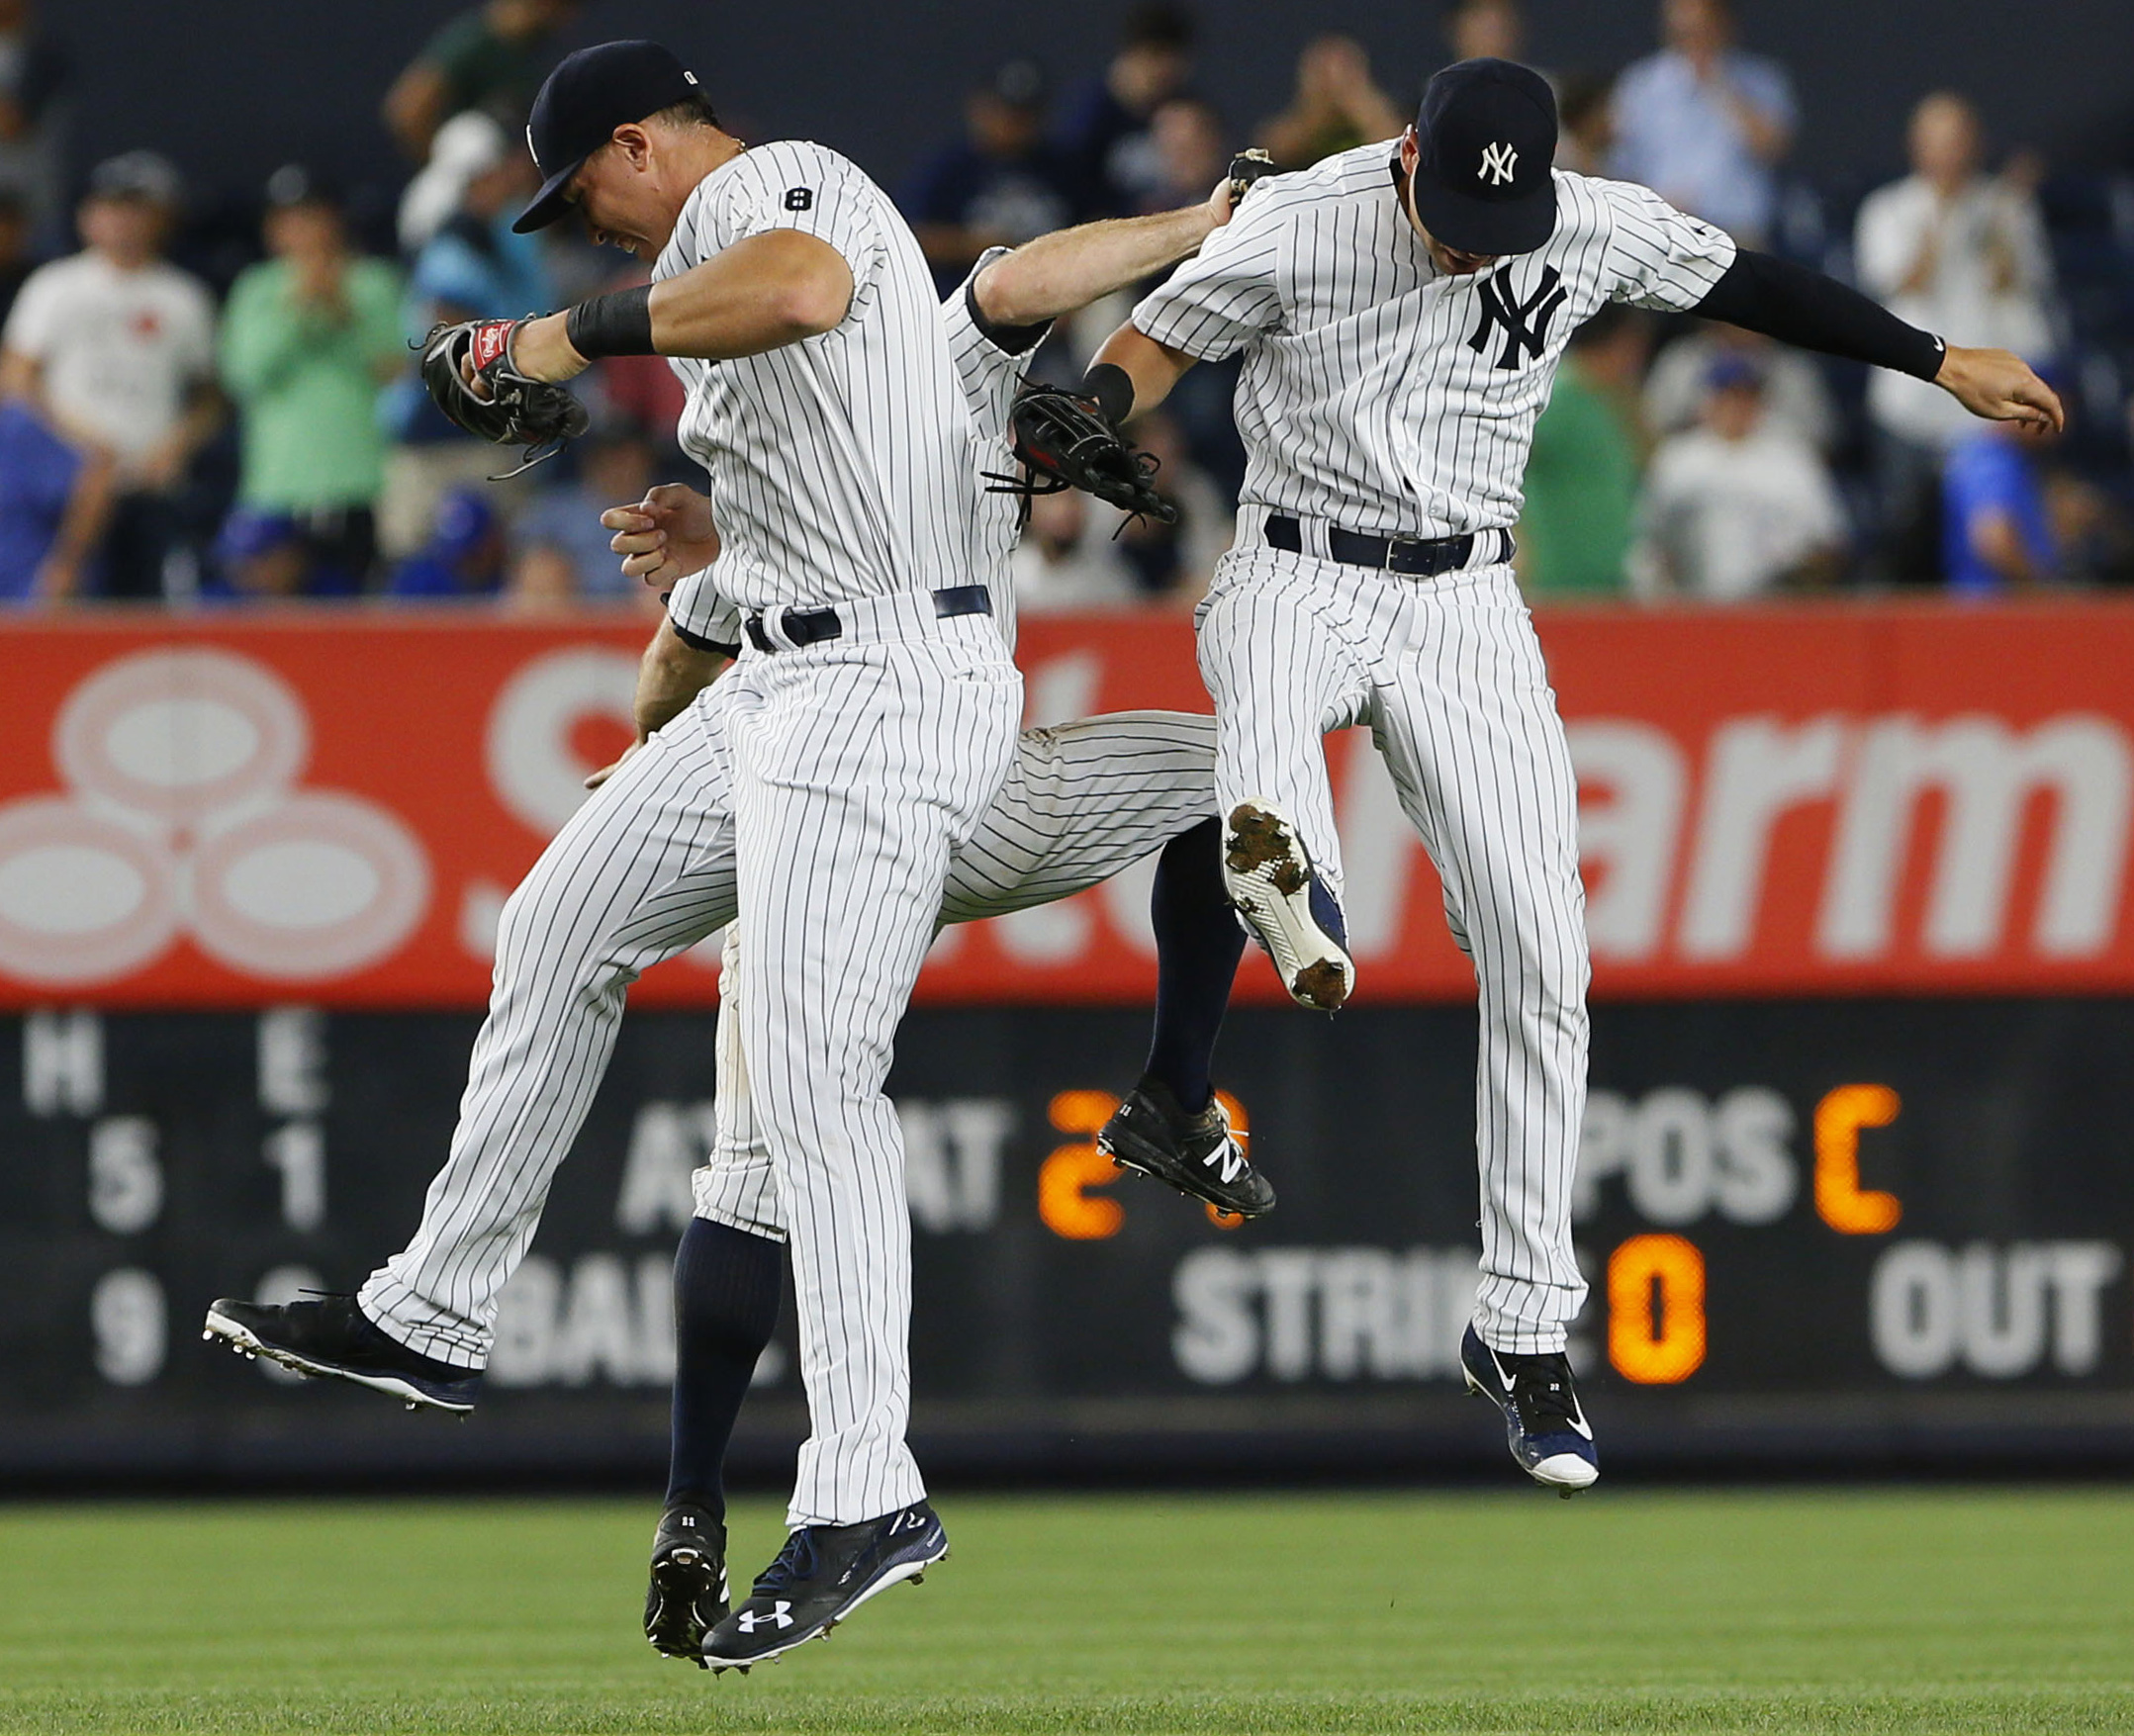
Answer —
693 110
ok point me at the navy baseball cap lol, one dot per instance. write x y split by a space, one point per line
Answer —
1487 132
583 101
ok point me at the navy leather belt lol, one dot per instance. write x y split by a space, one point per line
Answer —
1417 557
812 626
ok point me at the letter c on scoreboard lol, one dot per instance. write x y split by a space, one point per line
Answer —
1841 1201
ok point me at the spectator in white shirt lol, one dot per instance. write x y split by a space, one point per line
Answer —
1963 254
1795 396
1739 507
116 347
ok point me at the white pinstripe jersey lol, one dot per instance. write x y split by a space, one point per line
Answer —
1379 394
840 465
988 376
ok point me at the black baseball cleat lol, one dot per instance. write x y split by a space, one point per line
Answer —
1286 906
822 1575
687 1594
1542 1419
334 1337
1197 1154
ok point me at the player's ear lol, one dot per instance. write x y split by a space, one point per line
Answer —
635 144
1410 148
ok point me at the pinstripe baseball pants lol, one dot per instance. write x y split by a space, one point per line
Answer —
817 793
1082 801
1449 677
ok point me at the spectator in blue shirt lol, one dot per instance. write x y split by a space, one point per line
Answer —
1702 123
1995 533
54 502
998 186
463 558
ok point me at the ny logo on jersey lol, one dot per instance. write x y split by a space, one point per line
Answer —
1498 162
1524 323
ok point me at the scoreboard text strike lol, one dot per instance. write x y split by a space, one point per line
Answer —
1839 1227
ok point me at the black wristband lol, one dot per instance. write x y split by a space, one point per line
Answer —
617 324
1801 307
1113 388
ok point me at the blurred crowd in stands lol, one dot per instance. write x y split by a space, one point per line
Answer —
235 427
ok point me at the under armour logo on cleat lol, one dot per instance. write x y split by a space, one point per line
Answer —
1498 162
777 1615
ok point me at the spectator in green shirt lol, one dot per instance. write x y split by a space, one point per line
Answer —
1582 473
308 338
491 58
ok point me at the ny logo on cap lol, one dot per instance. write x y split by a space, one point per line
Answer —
1498 162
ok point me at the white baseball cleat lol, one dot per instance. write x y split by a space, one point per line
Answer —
1289 909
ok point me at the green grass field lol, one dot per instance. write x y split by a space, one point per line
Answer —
1811 1610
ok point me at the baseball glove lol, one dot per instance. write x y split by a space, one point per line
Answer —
467 370
1064 442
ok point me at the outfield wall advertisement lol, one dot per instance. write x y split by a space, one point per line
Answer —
1852 1230
1827 799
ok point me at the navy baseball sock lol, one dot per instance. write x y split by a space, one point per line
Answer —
727 1284
1198 943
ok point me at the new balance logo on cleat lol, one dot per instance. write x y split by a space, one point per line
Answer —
1198 1154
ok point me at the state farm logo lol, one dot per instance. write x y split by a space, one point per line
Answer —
2065 784
182 815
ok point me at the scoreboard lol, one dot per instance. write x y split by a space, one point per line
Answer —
1843 1230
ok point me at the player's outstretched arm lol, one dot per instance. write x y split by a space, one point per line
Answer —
1061 273
760 294
1804 308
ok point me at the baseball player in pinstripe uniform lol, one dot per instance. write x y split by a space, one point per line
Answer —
1080 802
825 782
1402 307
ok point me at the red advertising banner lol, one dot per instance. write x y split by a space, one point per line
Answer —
1910 798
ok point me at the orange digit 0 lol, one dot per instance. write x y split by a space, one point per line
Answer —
1656 1309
